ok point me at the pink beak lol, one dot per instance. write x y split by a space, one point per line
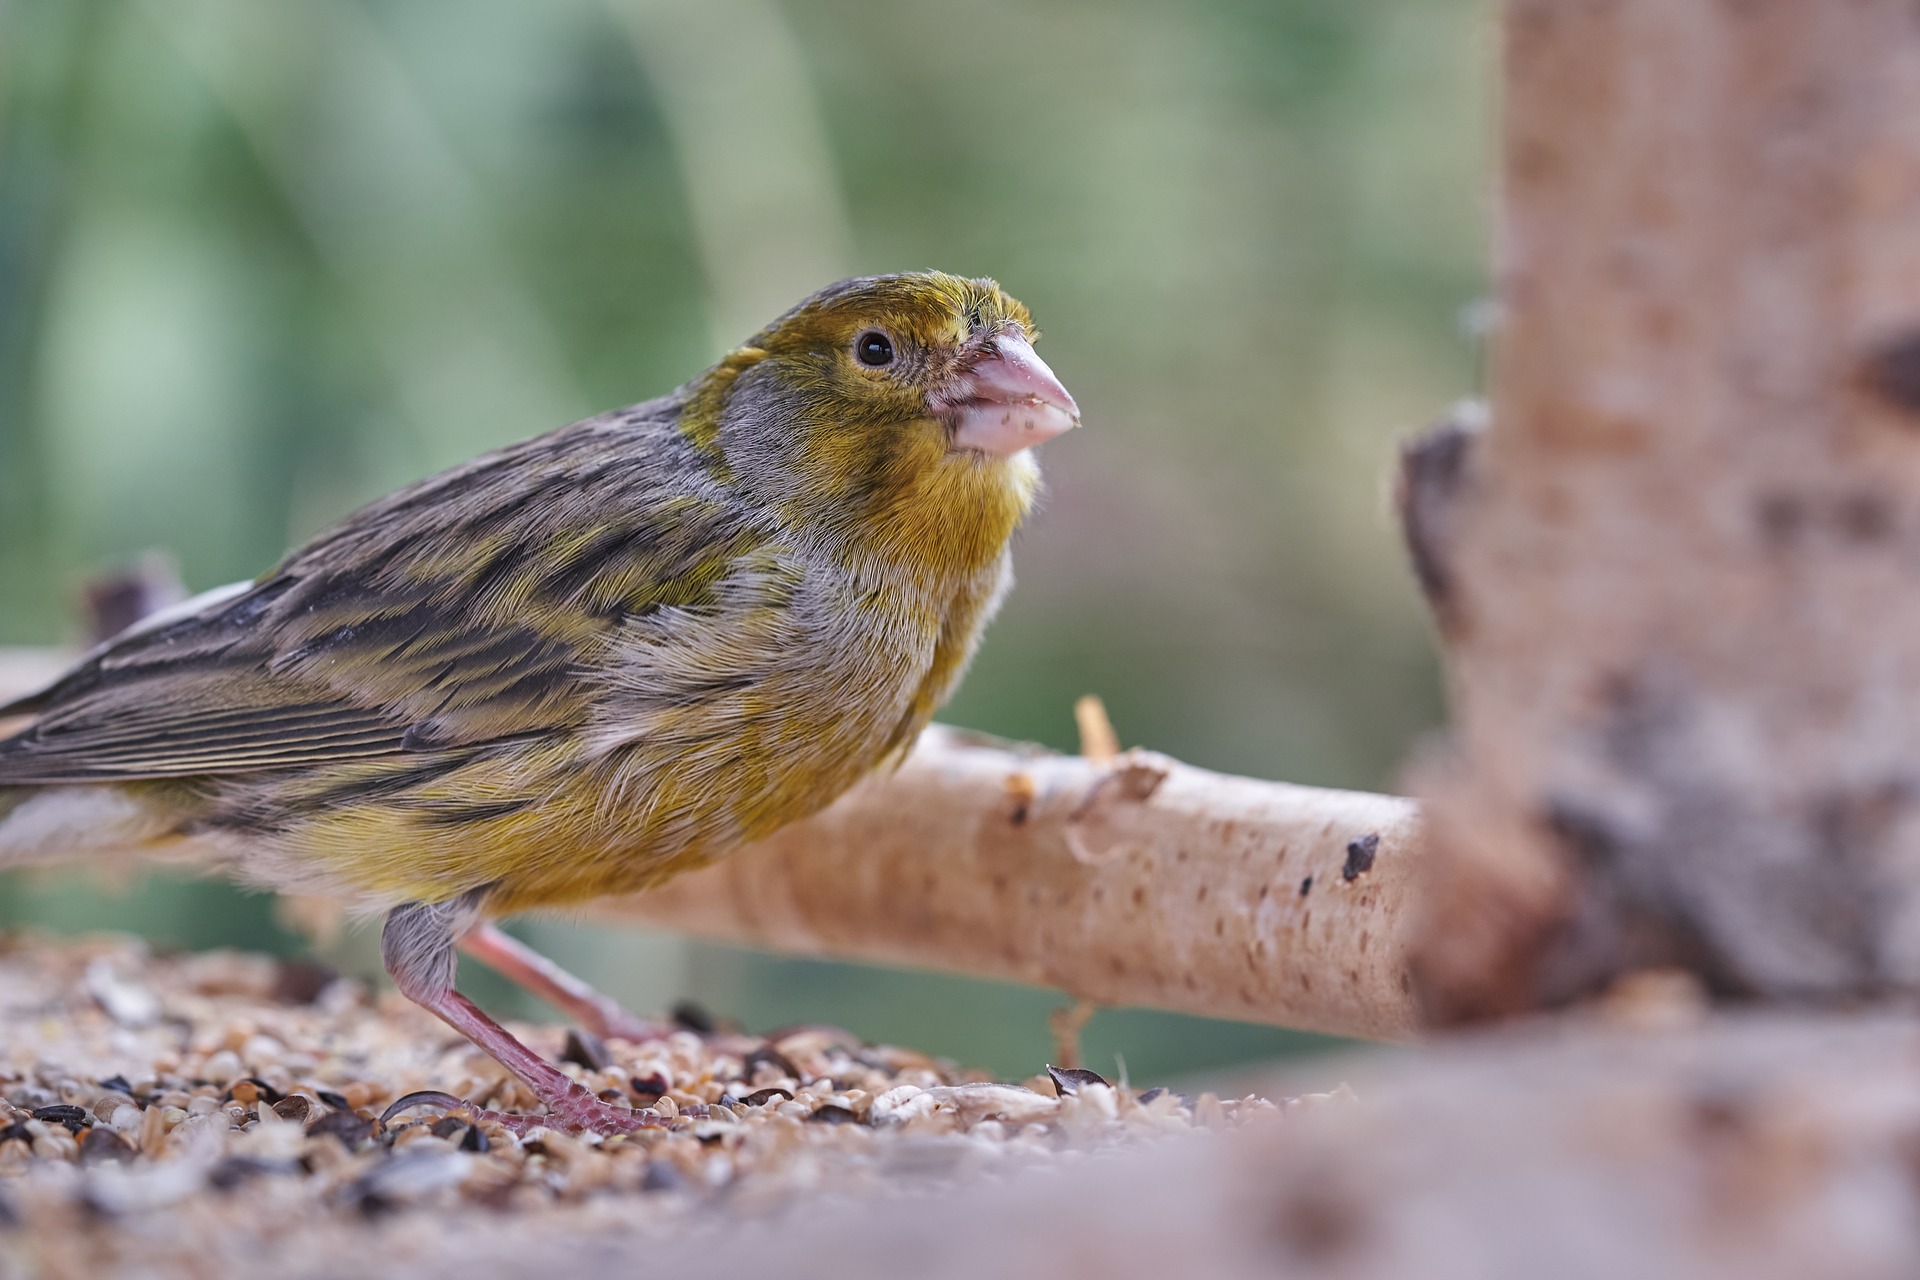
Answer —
1008 401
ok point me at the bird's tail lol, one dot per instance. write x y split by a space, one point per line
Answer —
58 823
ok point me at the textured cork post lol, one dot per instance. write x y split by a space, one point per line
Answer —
1141 881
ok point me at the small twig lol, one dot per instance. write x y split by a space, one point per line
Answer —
1098 742
1066 1023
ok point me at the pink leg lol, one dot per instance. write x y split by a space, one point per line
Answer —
571 1108
520 964
417 945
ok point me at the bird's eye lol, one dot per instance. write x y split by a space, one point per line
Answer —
874 349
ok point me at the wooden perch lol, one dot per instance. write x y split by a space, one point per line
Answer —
1134 881
1143 882
1682 565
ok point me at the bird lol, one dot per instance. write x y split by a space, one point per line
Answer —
582 663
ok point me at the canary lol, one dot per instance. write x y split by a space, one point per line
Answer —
582 663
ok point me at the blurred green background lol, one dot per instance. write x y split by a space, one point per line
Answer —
262 260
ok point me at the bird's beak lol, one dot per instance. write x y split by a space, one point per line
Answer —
1007 400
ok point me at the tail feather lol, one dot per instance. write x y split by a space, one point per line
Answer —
54 824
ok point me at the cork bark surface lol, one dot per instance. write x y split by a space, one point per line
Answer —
1136 881
1682 571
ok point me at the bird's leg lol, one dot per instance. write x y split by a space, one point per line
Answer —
601 1014
520 964
417 946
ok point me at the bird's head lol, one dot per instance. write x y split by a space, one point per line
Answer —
893 413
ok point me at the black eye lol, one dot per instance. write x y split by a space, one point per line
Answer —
874 349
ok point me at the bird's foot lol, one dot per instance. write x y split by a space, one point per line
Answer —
579 1111
574 1111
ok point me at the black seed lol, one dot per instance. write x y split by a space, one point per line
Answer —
75 1118
833 1113
118 1084
587 1050
761 1097
767 1055
16 1132
266 1092
350 1129
1306 886
1068 1080
333 1100
691 1017
476 1140
1150 1094
649 1089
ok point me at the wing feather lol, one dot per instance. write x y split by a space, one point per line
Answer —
462 611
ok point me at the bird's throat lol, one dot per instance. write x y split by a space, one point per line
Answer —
955 517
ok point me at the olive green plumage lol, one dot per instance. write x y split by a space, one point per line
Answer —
580 663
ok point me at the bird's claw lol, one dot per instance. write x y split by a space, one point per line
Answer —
422 1098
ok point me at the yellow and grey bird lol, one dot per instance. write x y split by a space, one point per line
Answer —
582 663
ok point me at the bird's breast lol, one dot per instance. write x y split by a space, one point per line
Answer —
722 727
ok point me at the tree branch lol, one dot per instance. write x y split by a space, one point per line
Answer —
1146 882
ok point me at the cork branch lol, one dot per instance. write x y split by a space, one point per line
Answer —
1136 881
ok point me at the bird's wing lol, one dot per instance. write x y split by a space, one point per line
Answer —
460 612
215 694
